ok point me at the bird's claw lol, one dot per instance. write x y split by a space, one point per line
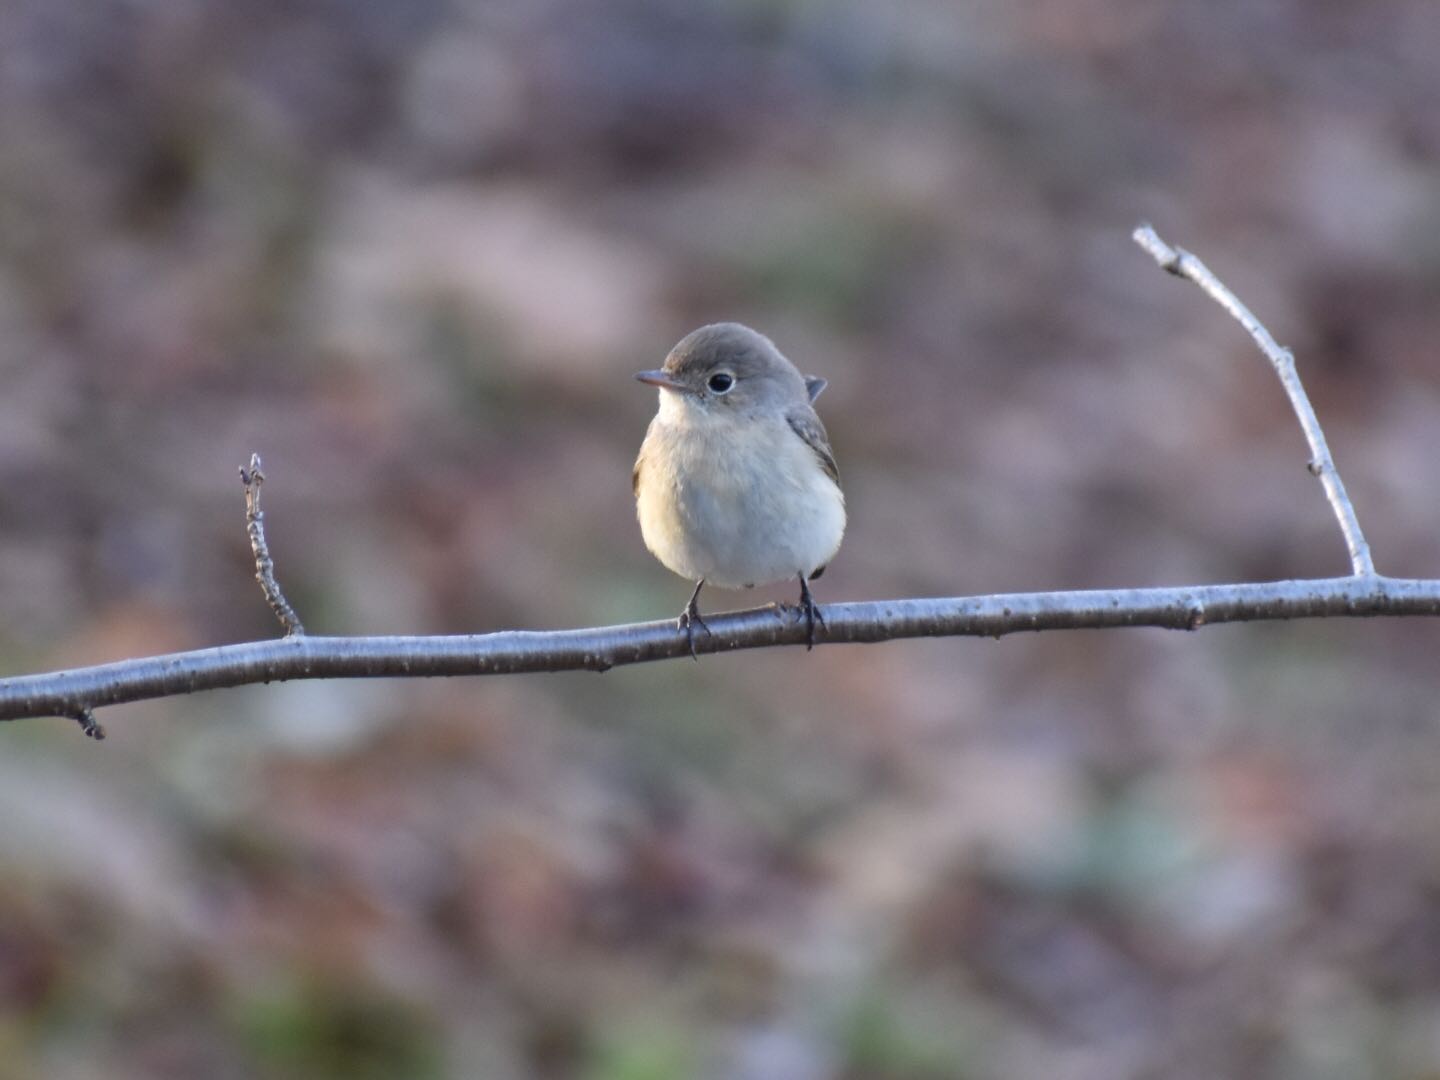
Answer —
689 619
811 611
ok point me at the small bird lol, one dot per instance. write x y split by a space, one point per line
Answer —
735 484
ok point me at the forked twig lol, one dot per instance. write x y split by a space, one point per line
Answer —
601 648
1182 264
252 478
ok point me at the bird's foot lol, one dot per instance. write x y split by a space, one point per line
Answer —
690 618
812 614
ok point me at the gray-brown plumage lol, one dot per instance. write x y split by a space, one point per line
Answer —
735 483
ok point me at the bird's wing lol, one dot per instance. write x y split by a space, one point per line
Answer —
807 425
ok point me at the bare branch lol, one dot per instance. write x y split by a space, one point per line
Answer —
252 478
78 692
306 657
1182 264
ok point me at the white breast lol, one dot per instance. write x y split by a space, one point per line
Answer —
736 502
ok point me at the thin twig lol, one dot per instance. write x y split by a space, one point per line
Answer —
1182 264
85 717
252 478
514 651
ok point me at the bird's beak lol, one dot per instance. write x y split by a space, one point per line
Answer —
661 379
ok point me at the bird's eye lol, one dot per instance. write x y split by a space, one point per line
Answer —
721 382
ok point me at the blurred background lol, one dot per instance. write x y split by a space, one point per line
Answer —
412 252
